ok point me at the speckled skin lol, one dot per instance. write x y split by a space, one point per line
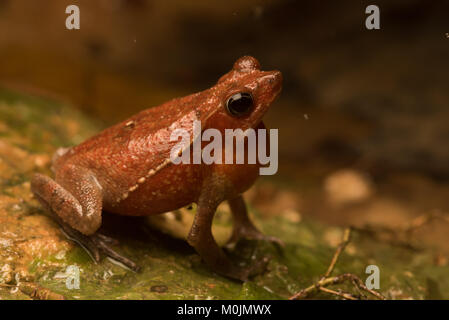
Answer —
126 169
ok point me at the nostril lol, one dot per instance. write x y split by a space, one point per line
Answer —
271 79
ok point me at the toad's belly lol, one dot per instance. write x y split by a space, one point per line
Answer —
178 186
172 188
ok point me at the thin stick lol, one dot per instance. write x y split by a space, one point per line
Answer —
424 219
34 291
340 249
344 295
361 286
402 236
327 280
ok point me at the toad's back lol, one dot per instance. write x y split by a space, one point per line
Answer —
129 159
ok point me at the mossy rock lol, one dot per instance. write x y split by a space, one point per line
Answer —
34 250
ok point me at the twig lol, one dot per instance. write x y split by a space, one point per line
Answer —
339 293
401 236
327 280
340 249
35 291
39 293
383 234
424 219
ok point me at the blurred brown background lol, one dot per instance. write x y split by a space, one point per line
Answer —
373 102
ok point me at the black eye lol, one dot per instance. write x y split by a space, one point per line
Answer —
239 104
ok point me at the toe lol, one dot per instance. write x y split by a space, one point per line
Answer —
116 256
107 239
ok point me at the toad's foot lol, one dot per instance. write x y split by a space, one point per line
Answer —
245 273
97 244
244 228
252 234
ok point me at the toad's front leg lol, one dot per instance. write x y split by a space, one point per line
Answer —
201 238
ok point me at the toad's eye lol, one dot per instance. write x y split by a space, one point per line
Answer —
239 104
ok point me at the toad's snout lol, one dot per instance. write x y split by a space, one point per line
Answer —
276 81
272 82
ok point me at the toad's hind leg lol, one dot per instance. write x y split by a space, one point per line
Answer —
80 219
77 200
